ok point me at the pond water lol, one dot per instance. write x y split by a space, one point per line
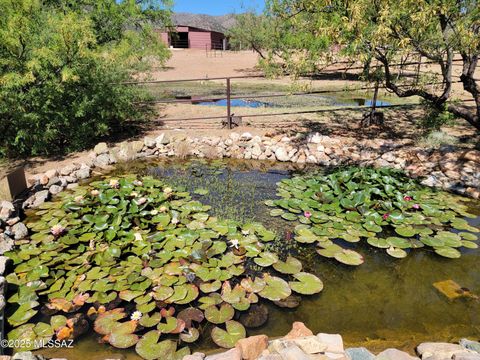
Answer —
237 103
382 303
322 100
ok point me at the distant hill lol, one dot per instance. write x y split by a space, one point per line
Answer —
208 22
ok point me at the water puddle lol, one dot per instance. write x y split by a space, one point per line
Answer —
317 100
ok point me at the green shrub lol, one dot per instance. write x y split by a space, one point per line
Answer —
59 73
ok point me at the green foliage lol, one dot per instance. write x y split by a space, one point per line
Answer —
435 118
312 33
60 65
252 31
370 204
137 247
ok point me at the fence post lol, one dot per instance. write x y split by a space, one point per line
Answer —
229 109
375 96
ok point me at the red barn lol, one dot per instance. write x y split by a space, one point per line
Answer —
189 37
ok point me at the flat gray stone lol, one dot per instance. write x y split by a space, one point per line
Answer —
102 160
359 353
20 231
82 173
394 354
55 189
470 345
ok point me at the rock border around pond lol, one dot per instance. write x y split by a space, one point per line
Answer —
301 344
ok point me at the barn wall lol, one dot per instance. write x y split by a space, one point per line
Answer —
217 40
165 38
200 39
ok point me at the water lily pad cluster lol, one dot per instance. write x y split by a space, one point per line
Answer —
147 266
382 207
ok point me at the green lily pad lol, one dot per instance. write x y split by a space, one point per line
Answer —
349 257
289 266
307 284
275 289
448 252
229 337
220 315
266 259
396 252
149 348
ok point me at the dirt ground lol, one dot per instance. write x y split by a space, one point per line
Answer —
187 64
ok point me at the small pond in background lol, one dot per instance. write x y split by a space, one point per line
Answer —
315 100
382 303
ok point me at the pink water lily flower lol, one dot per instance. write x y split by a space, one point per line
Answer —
57 230
407 198
386 216
416 206
307 214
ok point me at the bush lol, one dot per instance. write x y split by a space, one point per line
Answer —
434 118
60 78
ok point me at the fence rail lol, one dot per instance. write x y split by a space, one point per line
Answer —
228 118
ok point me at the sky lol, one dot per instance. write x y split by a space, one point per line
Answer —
218 7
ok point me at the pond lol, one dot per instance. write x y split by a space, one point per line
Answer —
319 100
382 303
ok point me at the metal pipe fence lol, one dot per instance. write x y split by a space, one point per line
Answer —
228 119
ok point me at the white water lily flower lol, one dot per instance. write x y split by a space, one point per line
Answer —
57 230
234 243
114 183
137 183
138 236
133 194
245 232
94 192
163 209
141 201
175 221
136 316
78 199
154 212
167 190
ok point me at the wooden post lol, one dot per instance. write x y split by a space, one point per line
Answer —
229 109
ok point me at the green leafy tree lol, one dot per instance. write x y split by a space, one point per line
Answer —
388 31
61 63
252 31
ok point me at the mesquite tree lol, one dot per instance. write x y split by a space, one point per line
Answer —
388 31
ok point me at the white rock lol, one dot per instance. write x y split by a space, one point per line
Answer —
334 343
281 154
246 136
6 210
150 142
101 148
293 353
315 138
310 344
